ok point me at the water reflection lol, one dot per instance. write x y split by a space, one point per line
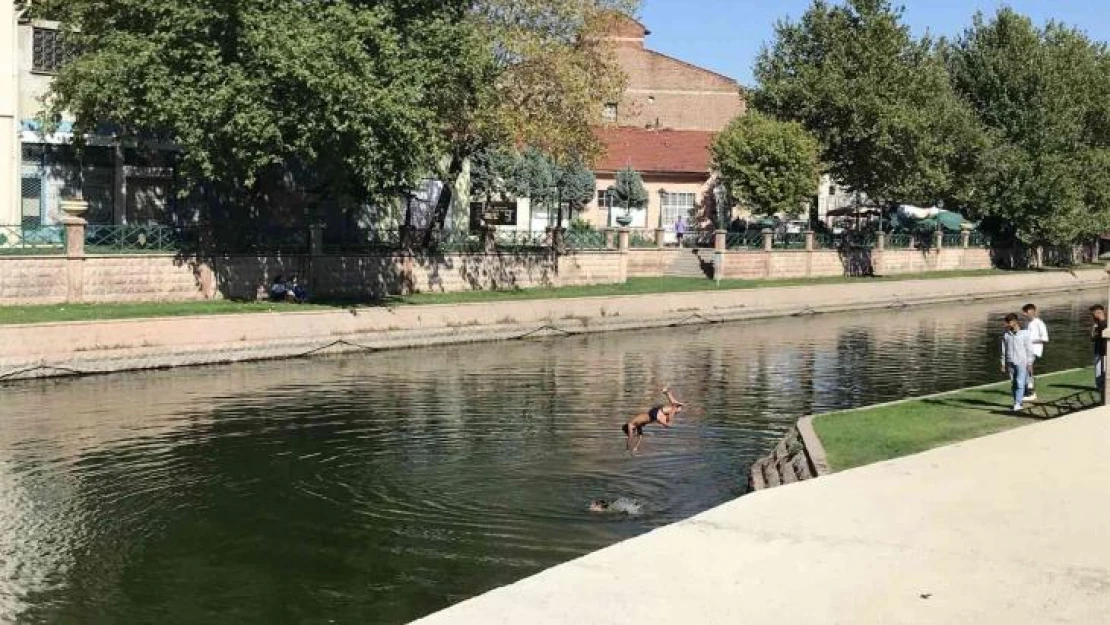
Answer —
379 488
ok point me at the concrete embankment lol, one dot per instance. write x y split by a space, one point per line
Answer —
1008 529
44 350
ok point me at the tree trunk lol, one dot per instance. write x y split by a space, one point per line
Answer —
446 198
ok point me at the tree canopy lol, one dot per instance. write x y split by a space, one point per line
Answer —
340 94
629 189
346 97
1043 97
535 175
768 165
878 100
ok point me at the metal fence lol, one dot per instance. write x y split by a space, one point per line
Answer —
31 239
747 240
135 239
789 240
587 240
898 241
979 239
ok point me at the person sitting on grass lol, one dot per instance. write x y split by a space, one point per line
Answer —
1017 357
277 289
298 291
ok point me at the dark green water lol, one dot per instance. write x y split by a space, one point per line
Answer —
380 488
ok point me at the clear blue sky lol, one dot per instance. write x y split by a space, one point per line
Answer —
726 35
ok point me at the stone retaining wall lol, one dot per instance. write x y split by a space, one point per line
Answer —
43 350
822 263
166 277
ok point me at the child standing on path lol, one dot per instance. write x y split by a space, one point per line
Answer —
1098 315
1017 354
1038 335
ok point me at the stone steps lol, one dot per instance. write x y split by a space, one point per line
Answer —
686 264
791 461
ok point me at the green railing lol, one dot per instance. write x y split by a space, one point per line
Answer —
789 241
951 240
642 239
898 241
748 240
585 240
31 240
134 239
979 239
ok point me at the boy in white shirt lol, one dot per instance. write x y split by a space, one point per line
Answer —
1038 335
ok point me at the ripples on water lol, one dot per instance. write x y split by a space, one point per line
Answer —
378 488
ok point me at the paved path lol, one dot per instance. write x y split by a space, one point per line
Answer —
1013 528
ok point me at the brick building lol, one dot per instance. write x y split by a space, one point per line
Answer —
662 127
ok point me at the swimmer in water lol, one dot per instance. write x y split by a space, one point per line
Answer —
663 415
621 505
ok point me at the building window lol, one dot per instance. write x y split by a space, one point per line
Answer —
609 112
48 50
606 199
677 205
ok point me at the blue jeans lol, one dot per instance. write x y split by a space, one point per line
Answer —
1019 377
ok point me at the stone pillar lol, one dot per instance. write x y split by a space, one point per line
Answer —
119 186
624 238
877 262
720 240
768 252
912 245
74 226
660 237
965 239
938 240
316 239
1039 256
720 245
610 242
810 245
315 265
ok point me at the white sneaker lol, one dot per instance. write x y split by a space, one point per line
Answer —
1018 408
1031 397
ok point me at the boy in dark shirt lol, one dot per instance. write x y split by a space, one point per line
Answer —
1098 315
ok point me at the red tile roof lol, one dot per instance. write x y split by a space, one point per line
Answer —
654 151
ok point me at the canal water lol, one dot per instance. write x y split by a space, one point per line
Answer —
378 488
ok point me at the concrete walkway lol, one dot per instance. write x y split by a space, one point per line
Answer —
1013 528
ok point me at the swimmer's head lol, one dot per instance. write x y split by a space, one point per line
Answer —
599 505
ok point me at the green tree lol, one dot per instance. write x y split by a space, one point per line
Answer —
493 173
769 165
575 185
545 71
878 100
629 189
341 96
1044 97
553 185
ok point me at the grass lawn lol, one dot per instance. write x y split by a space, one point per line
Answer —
634 286
859 437
98 312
